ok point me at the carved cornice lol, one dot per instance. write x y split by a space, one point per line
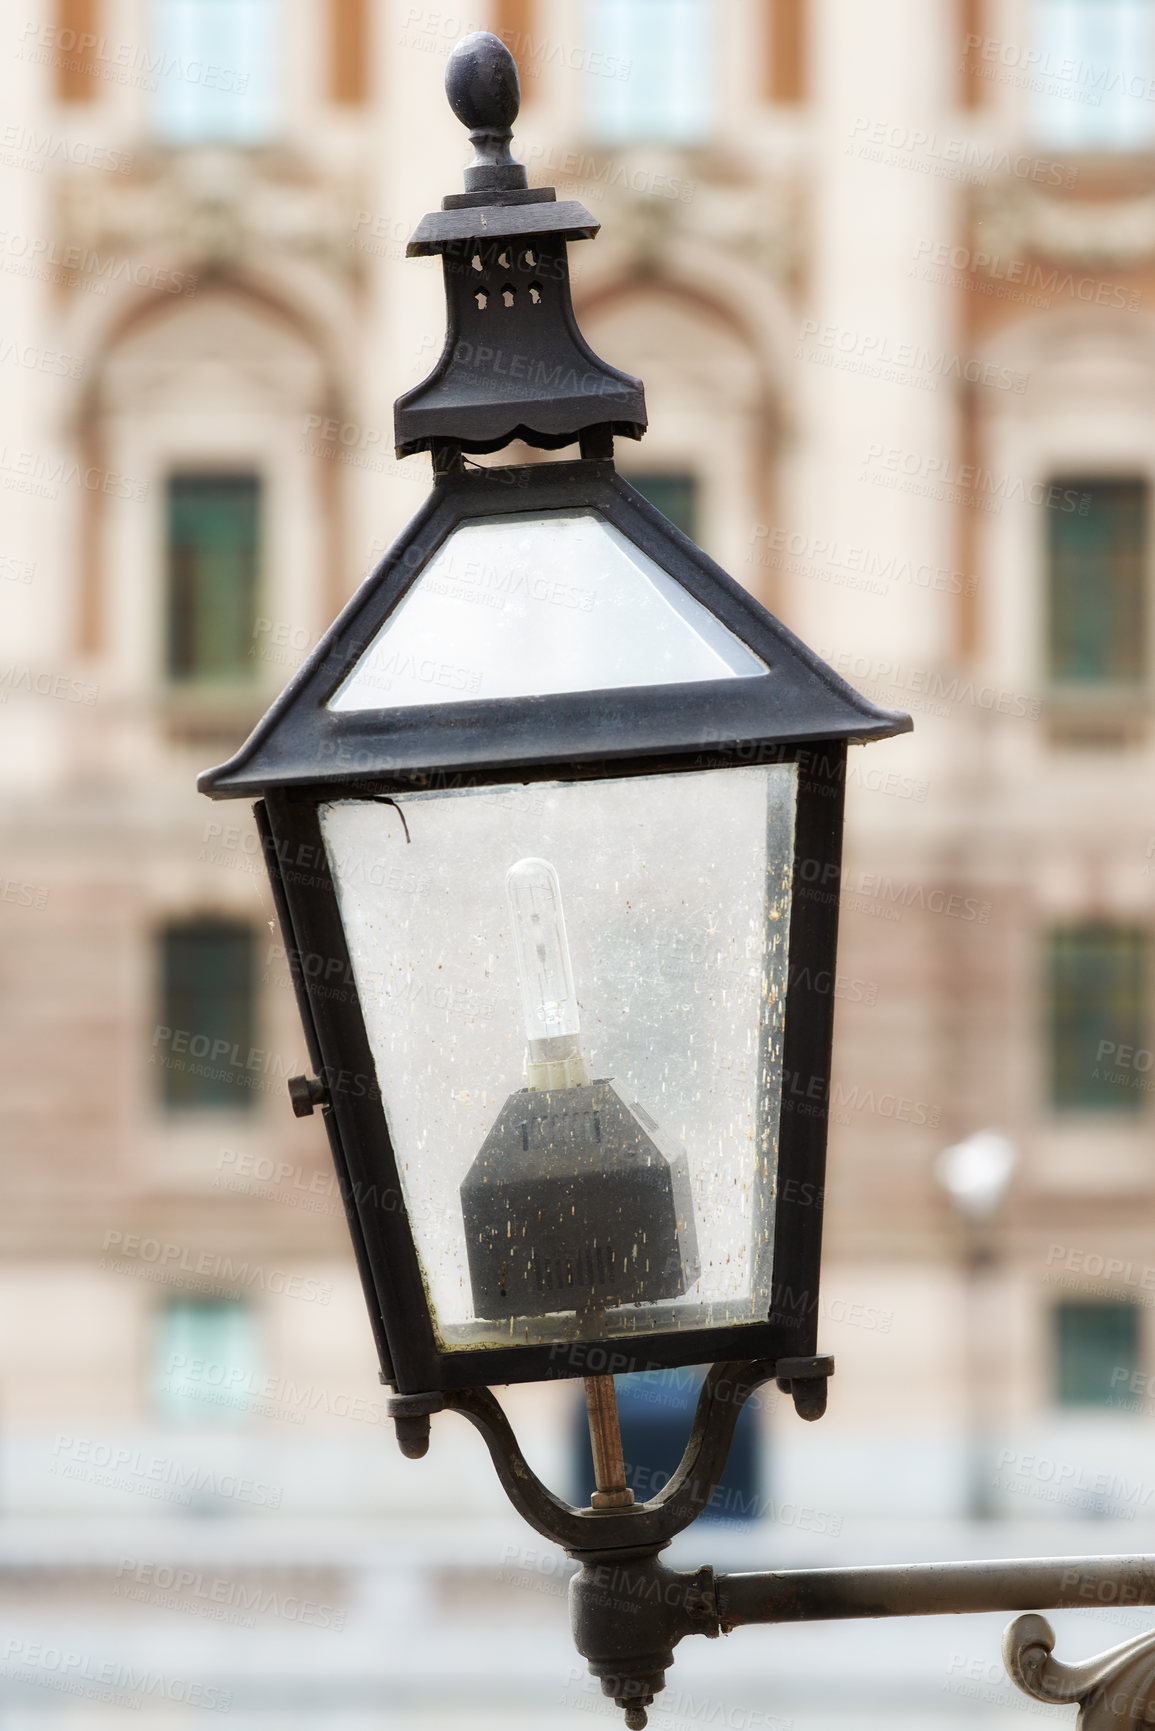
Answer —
1017 220
214 209
650 202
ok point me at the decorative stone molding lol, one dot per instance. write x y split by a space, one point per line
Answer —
650 202
215 209
1016 220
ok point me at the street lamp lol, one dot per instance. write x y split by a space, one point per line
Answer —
553 821
975 1174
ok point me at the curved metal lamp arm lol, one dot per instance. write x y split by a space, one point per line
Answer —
724 1393
629 1611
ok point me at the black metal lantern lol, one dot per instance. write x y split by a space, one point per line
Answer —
553 820
539 802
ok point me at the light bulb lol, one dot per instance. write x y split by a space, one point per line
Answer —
548 999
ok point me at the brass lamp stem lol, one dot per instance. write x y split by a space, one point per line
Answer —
606 1443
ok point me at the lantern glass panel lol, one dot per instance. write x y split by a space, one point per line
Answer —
527 605
574 995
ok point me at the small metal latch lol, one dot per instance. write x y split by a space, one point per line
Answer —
805 1379
306 1093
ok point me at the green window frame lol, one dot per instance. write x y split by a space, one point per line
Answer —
206 1364
207 1022
673 493
1099 1018
1097 557
1095 1343
213 528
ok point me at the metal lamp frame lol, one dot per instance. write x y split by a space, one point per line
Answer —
503 247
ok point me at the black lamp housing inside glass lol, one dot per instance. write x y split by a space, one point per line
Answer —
548 1156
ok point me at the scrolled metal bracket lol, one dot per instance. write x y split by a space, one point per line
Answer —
653 1524
628 1611
1114 1690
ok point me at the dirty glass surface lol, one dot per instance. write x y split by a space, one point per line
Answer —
574 995
526 605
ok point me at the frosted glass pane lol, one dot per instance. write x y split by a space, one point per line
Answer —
526 605
655 1096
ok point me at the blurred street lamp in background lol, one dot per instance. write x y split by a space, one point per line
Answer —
975 1175
553 821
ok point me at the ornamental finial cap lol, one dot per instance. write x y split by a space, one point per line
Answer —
484 92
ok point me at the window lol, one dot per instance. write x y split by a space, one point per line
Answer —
1098 1012
217 78
674 495
1090 80
658 77
206 1366
213 557
77 67
205 1033
349 52
1097 584
786 31
1094 1345
656 1410
514 21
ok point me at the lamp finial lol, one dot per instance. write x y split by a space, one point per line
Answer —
482 85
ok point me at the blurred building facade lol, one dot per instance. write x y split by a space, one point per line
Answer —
888 273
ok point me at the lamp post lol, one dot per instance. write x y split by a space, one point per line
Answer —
975 1174
553 822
